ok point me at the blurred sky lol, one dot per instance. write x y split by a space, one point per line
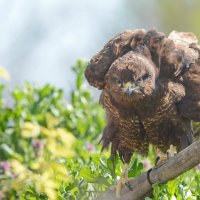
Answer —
41 39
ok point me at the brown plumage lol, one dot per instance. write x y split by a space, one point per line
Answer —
150 90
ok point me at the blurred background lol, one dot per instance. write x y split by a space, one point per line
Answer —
41 40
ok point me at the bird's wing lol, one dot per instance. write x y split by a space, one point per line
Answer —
119 45
189 106
183 37
167 57
185 41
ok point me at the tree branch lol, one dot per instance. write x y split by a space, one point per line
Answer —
180 163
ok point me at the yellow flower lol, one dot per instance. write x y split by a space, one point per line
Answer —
23 176
46 177
30 130
59 142
51 120
52 174
4 74
47 185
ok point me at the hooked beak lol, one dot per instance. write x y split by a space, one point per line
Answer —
129 91
129 88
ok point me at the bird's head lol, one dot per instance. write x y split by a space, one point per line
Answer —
131 78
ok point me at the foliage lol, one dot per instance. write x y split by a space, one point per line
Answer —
49 149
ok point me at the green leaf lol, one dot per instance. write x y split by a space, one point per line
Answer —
135 169
88 175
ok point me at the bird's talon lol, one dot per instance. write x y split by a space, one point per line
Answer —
157 160
161 161
128 185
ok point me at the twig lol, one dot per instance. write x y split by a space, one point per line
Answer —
180 163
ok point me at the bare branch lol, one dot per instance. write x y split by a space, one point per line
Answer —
180 163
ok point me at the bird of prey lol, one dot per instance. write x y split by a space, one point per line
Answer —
150 91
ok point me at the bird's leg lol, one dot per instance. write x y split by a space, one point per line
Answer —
123 180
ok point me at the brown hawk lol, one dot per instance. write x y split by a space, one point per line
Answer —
150 90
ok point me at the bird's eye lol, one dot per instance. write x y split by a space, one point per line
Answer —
142 78
139 80
146 76
119 82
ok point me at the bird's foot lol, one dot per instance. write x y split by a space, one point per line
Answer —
160 160
163 157
171 152
123 181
